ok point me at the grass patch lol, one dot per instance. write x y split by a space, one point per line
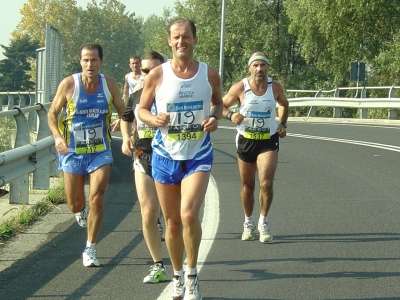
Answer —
29 214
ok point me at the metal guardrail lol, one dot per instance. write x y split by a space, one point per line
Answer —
38 158
331 98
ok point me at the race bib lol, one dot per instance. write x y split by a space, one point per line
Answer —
89 138
186 118
145 131
257 125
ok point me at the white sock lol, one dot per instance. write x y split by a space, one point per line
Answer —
191 271
263 220
249 219
90 245
179 273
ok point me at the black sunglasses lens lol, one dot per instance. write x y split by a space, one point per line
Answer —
146 71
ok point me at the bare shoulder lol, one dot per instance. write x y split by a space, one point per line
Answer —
213 76
154 78
277 86
157 71
212 71
66 87
111 82
237 88
279 92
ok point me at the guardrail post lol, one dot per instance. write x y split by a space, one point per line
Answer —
41 177
363 111
19 188
337 111
1 102
393 114
313 110
10 102
21 100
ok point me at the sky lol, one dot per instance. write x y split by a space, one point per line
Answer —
10 16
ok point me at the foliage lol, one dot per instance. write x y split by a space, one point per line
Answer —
104 22
6 125
310 43
332 34
155 33
118 32
16 66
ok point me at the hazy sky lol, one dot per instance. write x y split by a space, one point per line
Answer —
10 16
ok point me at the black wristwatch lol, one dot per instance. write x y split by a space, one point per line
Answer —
229 115
283 123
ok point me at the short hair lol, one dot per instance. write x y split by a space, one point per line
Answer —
91 46
182 21
134 57
153 55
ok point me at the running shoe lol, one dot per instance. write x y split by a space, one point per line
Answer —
179 287
81 217
89 258
192 291
248 232
161 231
157 274
265 235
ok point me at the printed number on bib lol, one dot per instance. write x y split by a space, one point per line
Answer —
184 125
257 125
89 139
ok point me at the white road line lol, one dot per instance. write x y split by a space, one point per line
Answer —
209 225
354 142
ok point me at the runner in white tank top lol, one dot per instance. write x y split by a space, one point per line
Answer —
257 140
188 102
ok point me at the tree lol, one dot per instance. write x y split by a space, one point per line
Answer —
16 66
155 34
104 22
118 32
333 33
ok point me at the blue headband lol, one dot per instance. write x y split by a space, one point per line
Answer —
258 57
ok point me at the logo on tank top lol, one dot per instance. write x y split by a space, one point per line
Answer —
186 86
186 95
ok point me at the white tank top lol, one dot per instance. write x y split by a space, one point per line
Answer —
187 101
132 82
259 111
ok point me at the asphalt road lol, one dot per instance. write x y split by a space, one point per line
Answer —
335 221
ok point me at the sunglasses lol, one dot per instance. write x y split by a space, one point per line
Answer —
145 71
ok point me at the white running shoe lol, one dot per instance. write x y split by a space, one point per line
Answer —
157 274
81 217
89 258
265 235
192 291
179 287
248 232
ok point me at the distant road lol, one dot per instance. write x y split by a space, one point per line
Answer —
335 221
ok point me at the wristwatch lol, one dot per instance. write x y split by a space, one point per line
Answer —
229 115
283 123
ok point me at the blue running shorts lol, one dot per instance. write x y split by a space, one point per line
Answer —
169 171
83 164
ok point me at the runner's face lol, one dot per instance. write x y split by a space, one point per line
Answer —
134 64
259 70
181 40
90 62
148 65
